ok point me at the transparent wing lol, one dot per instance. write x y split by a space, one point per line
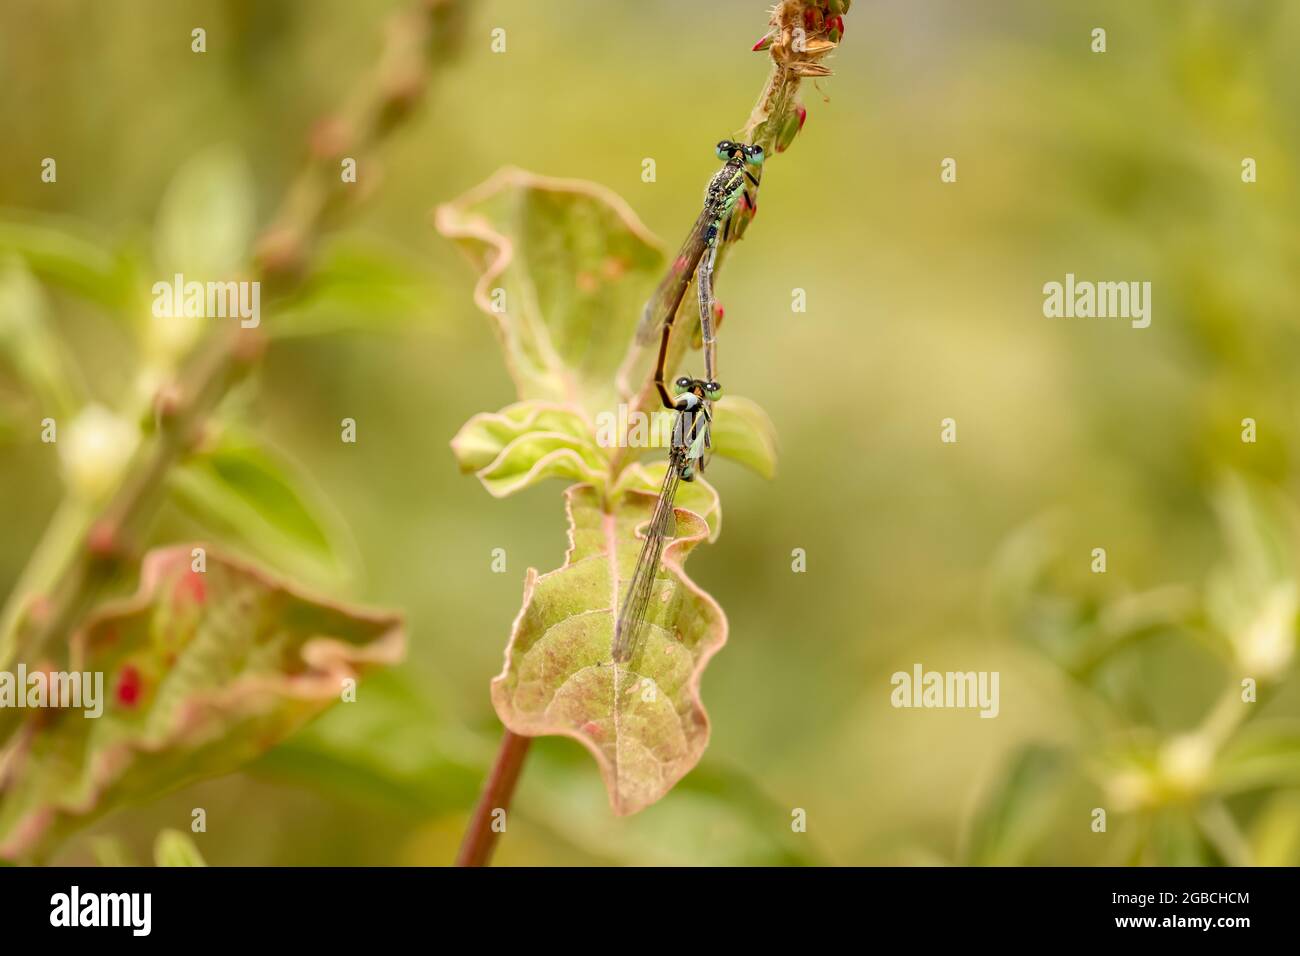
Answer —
672 289
631 616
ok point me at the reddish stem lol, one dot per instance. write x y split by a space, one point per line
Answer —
480 836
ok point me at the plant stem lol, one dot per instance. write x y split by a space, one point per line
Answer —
481 836
795 53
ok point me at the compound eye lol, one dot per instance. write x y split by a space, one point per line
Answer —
682 385
754 154
712 391
725 149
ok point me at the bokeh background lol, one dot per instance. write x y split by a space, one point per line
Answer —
924 301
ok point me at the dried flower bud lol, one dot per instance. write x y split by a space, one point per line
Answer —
280 252
167 401
330 138
103 541
249 346
402 91
802 68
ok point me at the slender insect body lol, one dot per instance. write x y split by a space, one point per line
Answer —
727 187
691 399
686 458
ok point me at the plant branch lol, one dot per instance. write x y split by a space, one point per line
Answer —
48 602
800 33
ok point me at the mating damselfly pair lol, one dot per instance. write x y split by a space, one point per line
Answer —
692 399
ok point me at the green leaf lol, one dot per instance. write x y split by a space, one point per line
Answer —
643 721
698 496
1031 592
174 848
1254 597
108 849
267 506
575 266
205 224
1260 755
56 253
202 672
1176 840
526 443
1275 831
390 748
486 435
357 288
1016 814
743 432
716 816
29 343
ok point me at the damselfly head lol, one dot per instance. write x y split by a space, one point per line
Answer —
729 151
712 391
682 385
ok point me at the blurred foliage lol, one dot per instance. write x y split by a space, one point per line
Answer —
1120 690
201 671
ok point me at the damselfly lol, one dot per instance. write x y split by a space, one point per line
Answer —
686 458
729 186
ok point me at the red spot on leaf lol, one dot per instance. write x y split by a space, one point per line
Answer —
190 588
129 686
592 730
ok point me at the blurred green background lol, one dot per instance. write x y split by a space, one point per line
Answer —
924 302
